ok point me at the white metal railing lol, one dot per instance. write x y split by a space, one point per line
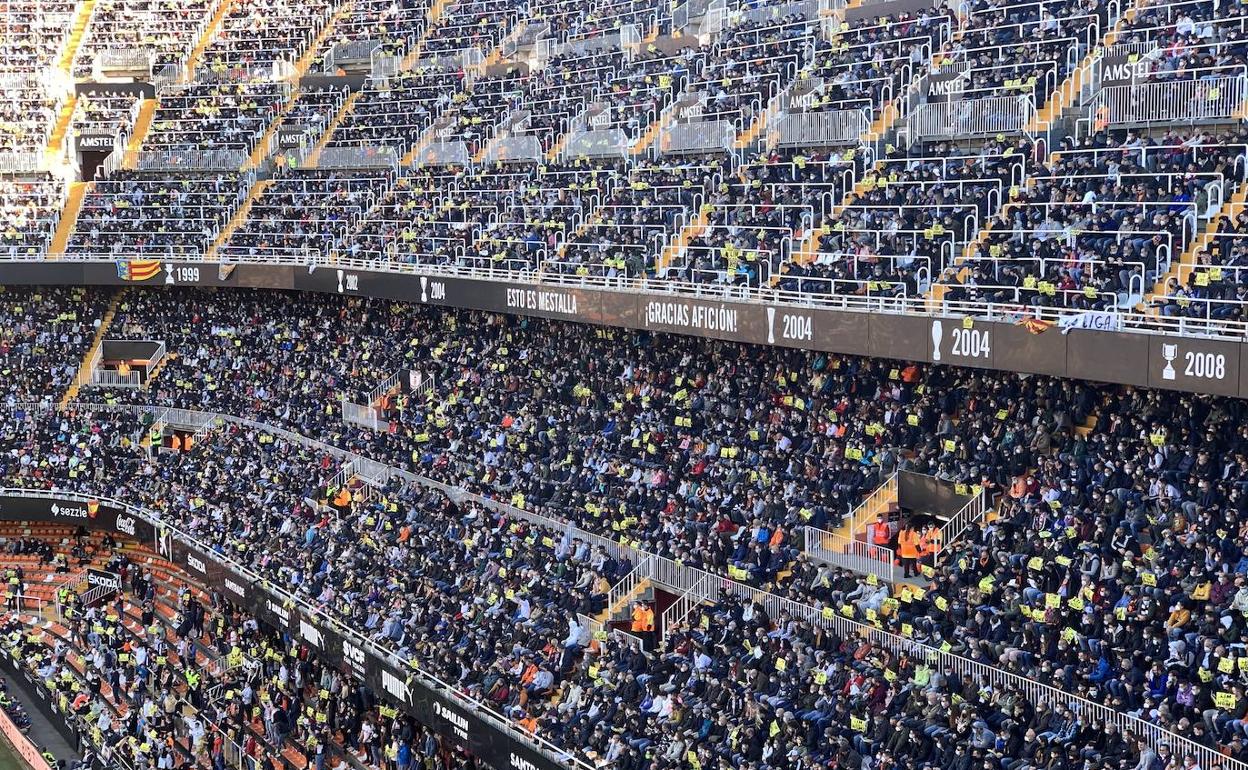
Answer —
698 136
817 129
850 553
345 474
25 603
364 415
22 162
111 378
1177 101
627 585
86 372
864 513
970 515
350 52
96 593
358 157
385 386
601 632
1132 321
701 592
971 117
192 160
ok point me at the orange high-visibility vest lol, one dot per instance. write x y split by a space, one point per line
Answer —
880 533
908 544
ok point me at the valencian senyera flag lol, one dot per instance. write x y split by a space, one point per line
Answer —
138 269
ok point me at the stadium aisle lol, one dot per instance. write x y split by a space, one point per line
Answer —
41 730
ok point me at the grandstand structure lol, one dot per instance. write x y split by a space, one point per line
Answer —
975 159
406 505
851 266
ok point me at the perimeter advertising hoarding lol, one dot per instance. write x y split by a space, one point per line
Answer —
400 687
169 273
1198 365
43 702
387 679
108 582
87 513
1099 356
18 741
96 142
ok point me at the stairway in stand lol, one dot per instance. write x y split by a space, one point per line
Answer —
210 32
82 15
305 61
239 217
160 366
260 152
56 140
1181 268
315 156
882 500
556 150
147 111
622 607
69 218
84 367
676 249
649 137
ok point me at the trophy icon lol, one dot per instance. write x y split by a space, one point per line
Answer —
340 282
424 284
1169 351
938 332
771 326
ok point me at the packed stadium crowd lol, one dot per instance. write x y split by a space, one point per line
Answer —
43 336
1114 570
1096 617
1096 225
163 676
1093 218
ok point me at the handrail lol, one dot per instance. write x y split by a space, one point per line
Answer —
1132 321
685 604
849 553
966 517
859 515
